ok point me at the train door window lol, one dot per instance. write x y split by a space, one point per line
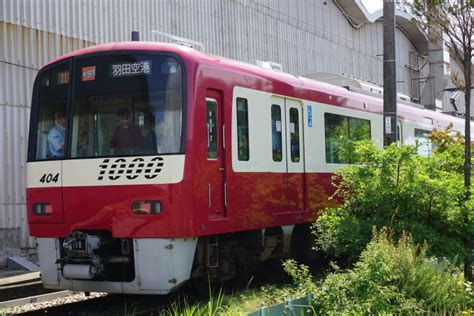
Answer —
276 133
294 135
51 129
243 130
341 132
211 125
425 147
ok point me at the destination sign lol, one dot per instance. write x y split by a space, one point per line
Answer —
131 69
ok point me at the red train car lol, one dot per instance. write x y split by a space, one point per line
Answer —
150 164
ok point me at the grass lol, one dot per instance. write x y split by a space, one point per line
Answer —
234 304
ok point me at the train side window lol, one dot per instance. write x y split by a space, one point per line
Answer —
211 124
341 132
425 147
399 132
276 133
294 135
243 129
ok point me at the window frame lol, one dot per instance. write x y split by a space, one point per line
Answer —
247 128
348 132
274 130
296 133
428 143
35 111
33 124
212 100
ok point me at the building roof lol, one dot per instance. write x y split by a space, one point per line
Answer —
357 14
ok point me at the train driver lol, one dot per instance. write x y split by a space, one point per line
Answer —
57 134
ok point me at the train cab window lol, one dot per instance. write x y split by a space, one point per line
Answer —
124 104
242 129
127 105
276 133
51 129
341 132
425 146
211 125
294 135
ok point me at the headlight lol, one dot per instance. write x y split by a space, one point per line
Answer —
42 209
147 207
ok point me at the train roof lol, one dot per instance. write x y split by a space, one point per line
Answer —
351 99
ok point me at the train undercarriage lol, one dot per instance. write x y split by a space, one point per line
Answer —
95 261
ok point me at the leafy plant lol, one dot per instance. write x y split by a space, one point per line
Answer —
214 306
449 23
398 189
396 278
302 279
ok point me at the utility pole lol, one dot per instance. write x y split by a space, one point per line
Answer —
389 74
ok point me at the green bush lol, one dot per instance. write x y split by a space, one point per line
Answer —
394 278
398 189
214 306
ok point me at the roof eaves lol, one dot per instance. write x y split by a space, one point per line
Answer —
357 15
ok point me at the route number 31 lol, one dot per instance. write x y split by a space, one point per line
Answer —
49 177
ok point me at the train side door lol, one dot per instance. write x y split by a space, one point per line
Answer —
215 164
295 155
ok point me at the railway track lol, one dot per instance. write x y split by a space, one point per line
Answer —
25 294
74 303
21 285
94 305
58 303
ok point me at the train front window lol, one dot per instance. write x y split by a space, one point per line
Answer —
127 105
52 117
119 105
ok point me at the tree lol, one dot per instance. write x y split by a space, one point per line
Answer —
452 20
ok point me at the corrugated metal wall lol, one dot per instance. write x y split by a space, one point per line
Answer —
458 96
23 51
16 75
305 36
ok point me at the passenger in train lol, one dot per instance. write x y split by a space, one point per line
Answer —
57 134
127 138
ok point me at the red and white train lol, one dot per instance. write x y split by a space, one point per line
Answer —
150 164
